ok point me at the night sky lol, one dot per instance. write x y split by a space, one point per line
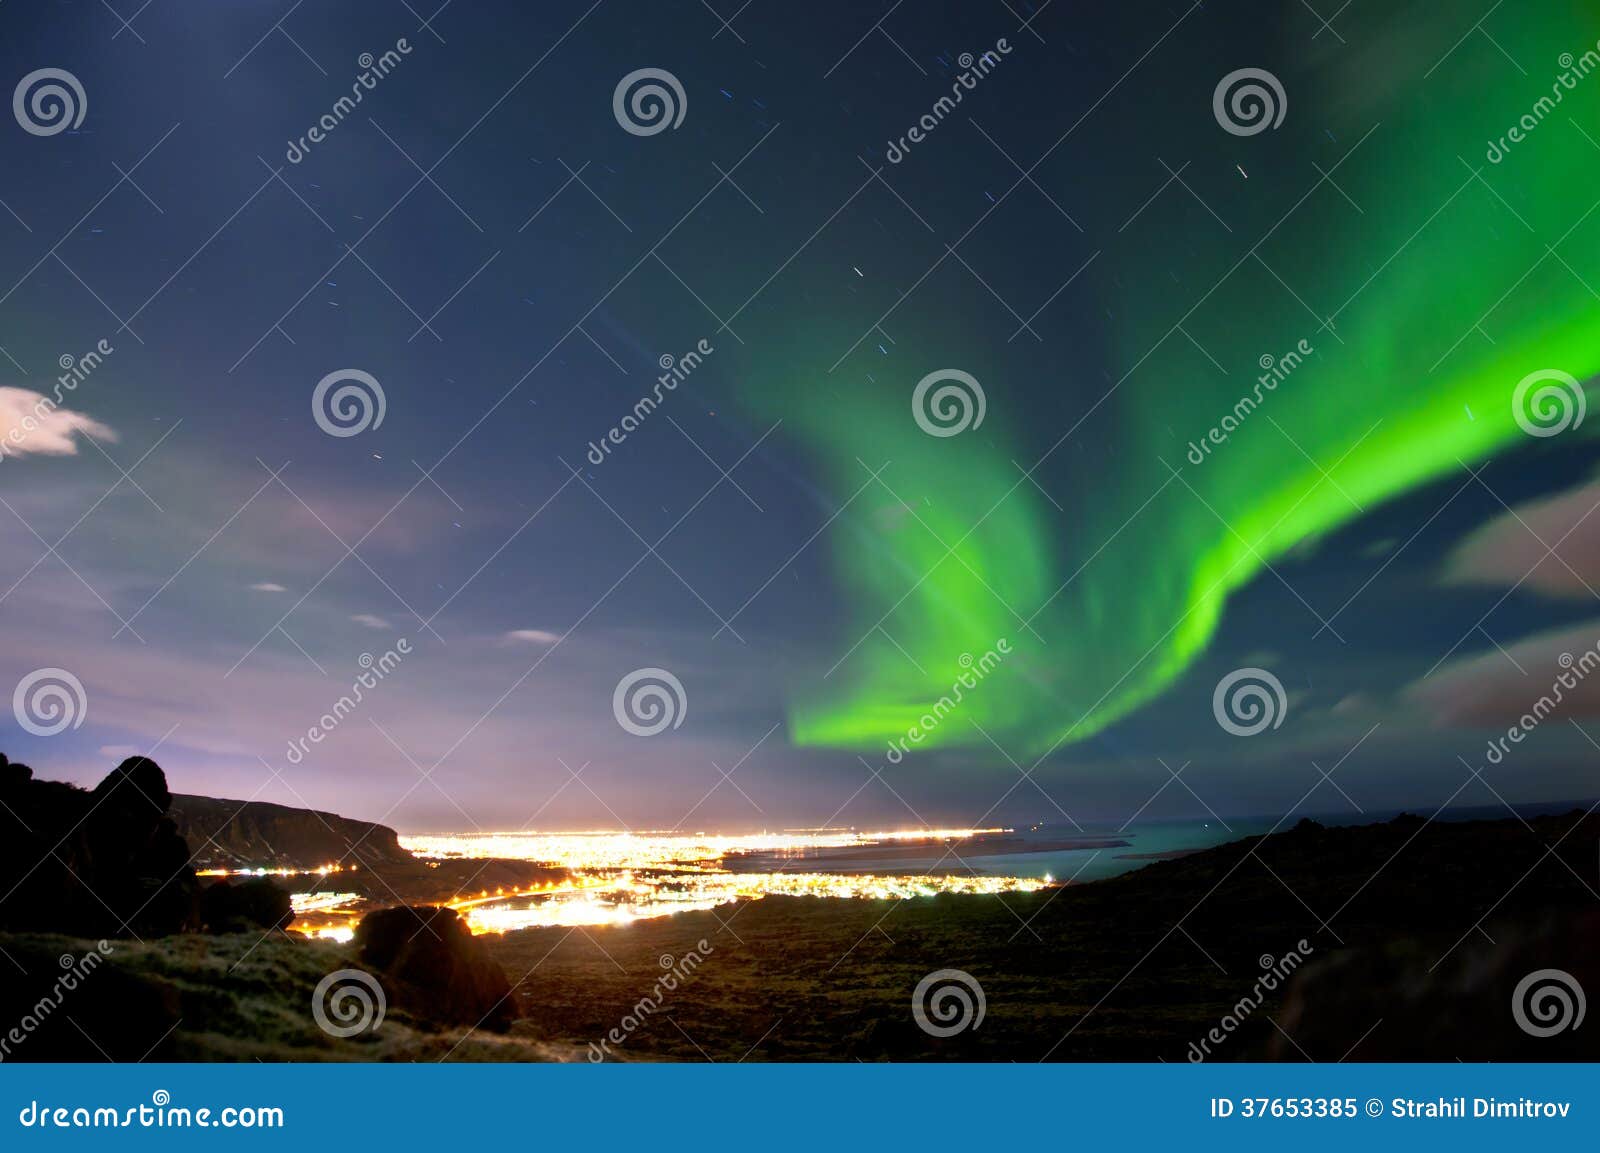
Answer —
1093 234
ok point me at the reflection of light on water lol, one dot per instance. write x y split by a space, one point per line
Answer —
316 902
585 910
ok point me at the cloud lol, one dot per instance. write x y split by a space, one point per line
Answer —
371 621
1511 547
532 636
268 587
1490 691
31 422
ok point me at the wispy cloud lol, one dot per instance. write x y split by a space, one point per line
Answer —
268 587
31 422
371 622
1515 547
531 636
1501 685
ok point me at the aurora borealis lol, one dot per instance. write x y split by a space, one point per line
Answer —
1446 282
1246 389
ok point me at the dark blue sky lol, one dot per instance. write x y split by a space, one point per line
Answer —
482 237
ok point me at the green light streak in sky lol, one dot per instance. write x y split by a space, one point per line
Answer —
1444 296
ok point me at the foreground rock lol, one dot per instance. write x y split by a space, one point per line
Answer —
106 863
229 907
432 967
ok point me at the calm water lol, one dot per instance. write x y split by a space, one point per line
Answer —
1095 864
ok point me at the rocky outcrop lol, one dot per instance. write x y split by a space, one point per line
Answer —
237 834
434 969
232 907
102 863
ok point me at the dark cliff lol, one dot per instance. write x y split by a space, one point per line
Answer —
226 834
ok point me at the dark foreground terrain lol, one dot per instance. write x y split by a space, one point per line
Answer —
1416 936
1404 940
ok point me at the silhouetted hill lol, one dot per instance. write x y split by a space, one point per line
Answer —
228 834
